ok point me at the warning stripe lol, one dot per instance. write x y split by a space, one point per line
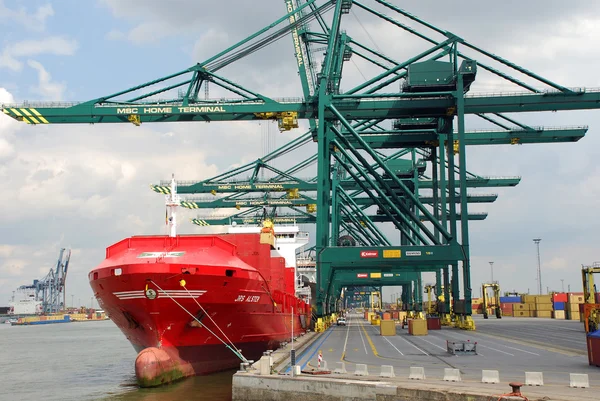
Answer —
28 114
39 116
22 117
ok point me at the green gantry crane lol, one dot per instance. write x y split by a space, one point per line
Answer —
426 112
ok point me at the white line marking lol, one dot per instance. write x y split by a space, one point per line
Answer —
568 328
415 346
362 337
435 345
494 349
347 332
393 346
518 349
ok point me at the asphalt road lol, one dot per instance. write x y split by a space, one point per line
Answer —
510 345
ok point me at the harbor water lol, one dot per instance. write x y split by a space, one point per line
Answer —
86 361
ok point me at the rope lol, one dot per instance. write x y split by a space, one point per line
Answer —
236 352
206 314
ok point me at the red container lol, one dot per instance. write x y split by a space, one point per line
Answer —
434 323
387 316
366 315
559 297
593 345
598 297
395 315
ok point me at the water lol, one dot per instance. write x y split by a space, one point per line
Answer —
86 361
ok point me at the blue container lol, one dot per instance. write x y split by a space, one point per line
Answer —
510 300
559 306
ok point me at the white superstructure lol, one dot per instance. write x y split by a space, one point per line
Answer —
25 304
288 238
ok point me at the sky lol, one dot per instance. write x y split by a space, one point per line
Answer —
85 187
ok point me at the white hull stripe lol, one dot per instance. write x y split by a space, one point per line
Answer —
170 293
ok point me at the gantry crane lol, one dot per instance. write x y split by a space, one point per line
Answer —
591 312
353 129
492 302
431 305
50 290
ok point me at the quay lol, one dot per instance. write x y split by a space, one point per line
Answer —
360 364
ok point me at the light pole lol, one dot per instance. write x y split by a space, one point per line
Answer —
72 300
562 284
492 268
539 272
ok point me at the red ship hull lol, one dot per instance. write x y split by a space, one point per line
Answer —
186 303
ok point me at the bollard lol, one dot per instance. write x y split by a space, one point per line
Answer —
387 371
341 368
451 375
534 379
361 370
490 376
417 373
323 365
265 367
578 380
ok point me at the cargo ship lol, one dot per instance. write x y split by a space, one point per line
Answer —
198 304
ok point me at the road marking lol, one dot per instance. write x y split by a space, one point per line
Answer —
362 338
483 346
415 346
518 349
494 349
535 344
435 345
393 346
568 328
346 342
370 342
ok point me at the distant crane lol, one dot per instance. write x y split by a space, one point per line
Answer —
51 289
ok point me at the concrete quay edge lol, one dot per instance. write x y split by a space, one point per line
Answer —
251 387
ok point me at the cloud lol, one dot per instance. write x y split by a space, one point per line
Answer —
89 184
55 45
115 34
46 88
35 21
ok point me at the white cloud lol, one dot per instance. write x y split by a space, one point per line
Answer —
115 34
35 21
6 149
46 87
90 184
55 45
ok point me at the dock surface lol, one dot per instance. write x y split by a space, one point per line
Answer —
512 346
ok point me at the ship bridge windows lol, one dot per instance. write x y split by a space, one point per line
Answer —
284 235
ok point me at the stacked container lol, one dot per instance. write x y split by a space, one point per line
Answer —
507 305
521 310
559 301
572 306
543 306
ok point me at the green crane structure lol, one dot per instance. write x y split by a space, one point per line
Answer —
426 112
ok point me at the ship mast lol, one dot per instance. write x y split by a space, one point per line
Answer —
172 201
